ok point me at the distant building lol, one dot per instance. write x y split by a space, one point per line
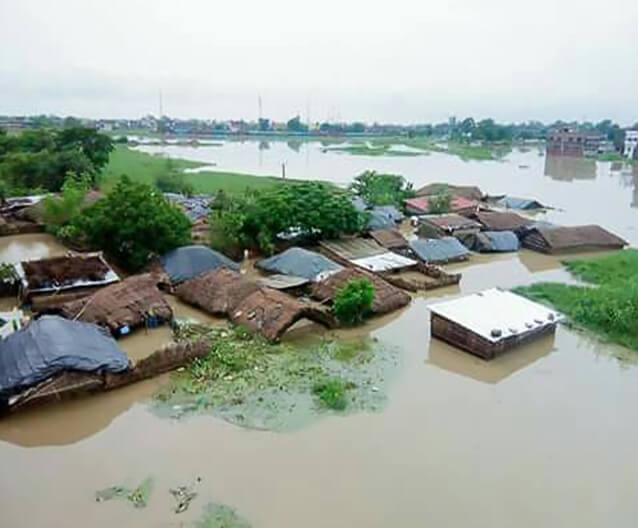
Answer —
571 142
631 144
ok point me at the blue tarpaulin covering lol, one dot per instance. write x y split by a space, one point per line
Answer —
512 202
298 262
492 241
189 261
384 217
439 250
52 344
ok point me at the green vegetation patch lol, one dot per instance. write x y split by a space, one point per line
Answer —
220 516
353 301
258 385
138 496
147 168
609 307
371 150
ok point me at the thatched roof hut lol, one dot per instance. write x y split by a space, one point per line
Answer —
386 296
258 308
127 304
571 239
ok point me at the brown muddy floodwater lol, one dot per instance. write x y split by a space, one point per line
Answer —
545 435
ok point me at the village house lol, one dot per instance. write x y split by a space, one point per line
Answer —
571 142
631 144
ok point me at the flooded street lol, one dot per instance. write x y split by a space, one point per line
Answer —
542 436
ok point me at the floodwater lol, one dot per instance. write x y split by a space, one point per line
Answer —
582 191
542 436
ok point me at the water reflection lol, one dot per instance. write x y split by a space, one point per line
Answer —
17 248
457 361
565 168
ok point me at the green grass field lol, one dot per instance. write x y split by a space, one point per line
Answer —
143 167
609 306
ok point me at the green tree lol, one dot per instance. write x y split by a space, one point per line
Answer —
60 210
353 301
382 189
95 146
295 125
440 202
133 223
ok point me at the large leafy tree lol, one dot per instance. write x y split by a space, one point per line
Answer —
382 189
132 224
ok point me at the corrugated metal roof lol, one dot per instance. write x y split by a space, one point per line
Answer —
282 282
577 236
512 202
451 221
385 262
389 238
496 310
299 262
353 248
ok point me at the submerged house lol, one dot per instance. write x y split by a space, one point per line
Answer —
187 262
471 192
522 204
53 281
491 241
491 322
439 250
383 217
458 204
502 221
389 238
399 270
299 262
387 297
436 226
258 308
122 307
554 240
51 344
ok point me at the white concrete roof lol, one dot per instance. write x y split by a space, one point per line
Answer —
496 309
384 262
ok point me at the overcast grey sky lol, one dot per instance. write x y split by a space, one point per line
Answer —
384 61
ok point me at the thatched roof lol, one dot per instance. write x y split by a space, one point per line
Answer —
575 238
386 297
125 303
258 308
216 291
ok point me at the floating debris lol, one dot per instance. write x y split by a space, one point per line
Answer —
184 495
138 496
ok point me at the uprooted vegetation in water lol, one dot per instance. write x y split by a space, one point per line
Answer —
138 496
220 516
252 383
609 306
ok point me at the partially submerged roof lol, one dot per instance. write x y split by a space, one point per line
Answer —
389 238
126 304
52 344
439 250
502 221
386 296
299 262
470 192
381 218
491 241
496 314
512 202
189 261
366 253
258 308
421 204
63 273
575 238
450 222
282 282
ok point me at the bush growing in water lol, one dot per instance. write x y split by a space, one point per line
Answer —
331 393
353 301
133 223
382 189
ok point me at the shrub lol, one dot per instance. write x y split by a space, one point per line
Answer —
133 223
331 393
382 189
173 181
60 210
353 301
440 203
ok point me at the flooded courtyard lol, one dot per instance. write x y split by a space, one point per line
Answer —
544 435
